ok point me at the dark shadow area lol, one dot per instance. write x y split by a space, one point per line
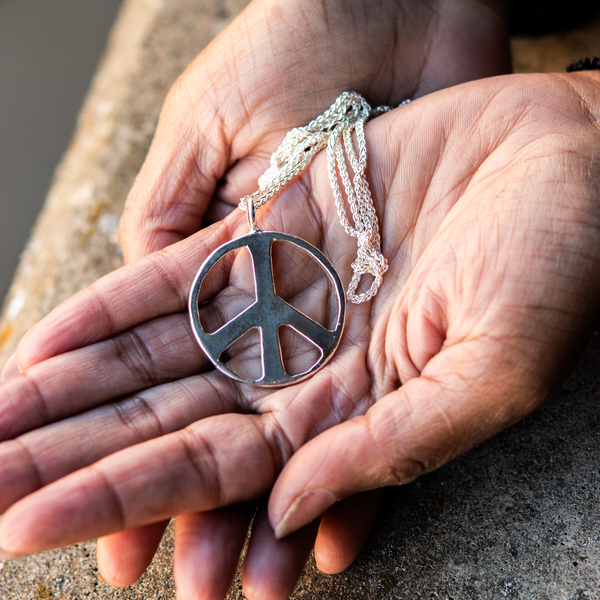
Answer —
540 17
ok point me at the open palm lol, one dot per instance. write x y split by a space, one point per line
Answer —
485 195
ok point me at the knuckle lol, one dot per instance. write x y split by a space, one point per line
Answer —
39 401
397 462
102 310
133 351
280 442
203 461
138 416
117 504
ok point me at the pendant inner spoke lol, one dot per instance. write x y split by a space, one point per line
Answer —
263 267
310 329
217 342
273 369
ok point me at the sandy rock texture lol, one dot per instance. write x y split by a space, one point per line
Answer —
517 517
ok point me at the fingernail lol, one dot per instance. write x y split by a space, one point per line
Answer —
10 370
303 510
4 555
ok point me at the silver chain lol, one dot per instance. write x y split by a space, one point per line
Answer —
333 129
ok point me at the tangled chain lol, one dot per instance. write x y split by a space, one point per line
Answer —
333 129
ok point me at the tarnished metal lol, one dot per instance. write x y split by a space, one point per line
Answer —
268 312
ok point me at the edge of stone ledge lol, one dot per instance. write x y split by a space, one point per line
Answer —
95 123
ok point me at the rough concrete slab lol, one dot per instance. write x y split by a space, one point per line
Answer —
516 517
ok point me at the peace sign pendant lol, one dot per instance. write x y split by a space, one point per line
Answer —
268 312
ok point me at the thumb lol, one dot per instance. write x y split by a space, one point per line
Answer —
409 432
175 185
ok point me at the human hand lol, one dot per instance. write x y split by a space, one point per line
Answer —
429 180
277 66
498 309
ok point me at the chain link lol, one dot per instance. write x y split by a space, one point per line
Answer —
333 129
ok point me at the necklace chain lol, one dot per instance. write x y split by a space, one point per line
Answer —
333 129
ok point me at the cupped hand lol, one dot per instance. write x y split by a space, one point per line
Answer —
277 66
486 200
501 303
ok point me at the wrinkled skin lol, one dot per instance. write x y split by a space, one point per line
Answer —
279 65
487 199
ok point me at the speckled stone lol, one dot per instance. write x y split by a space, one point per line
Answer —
517 517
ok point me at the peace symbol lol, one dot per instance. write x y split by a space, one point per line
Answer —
268 312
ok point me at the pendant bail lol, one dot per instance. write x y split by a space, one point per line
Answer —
251 214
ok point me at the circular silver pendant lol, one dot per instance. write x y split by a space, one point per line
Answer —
268 312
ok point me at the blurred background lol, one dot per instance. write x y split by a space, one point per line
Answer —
48 54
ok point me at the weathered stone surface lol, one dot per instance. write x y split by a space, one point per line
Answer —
75 240
516 517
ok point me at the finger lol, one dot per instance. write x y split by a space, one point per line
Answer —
153 353
44 455
215 462
272 567
157 285
124 556
194 146
207 551
344 530
419 427
170 194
